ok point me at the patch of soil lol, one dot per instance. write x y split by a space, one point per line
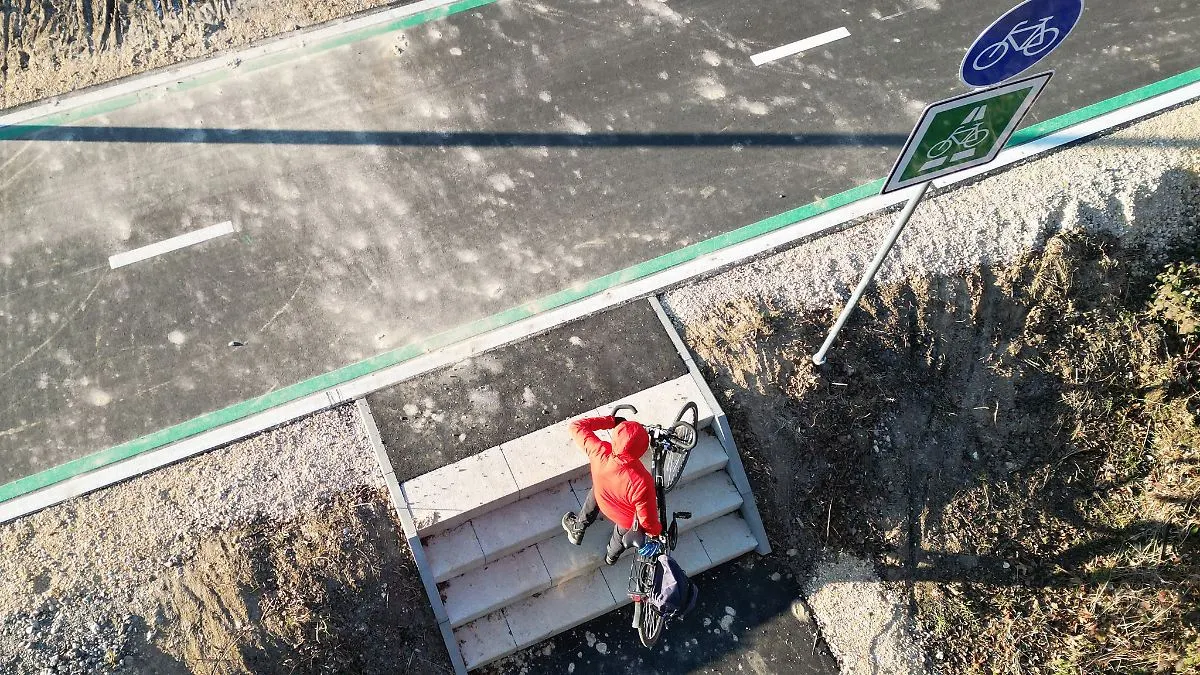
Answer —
51 48
1015 447
334 592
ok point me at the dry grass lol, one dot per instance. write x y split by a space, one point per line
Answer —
328 593
1015 447
1124 596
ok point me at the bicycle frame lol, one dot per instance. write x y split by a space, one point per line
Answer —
1034 30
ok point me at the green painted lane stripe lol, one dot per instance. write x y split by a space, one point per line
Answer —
1053 125
18 131
566 296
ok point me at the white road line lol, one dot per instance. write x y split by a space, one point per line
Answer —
172 244
800 46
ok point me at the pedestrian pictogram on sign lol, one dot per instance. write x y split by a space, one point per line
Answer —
963 132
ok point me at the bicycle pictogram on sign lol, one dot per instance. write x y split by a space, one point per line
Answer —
969 135
1029 39
1019 39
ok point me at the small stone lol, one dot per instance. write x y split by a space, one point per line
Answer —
800 611
776 576
792 552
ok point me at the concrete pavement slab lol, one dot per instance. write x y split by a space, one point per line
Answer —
545 457
707 498
726 538
570 604
662 404
486 589
485 639
524 522
453 552
566 561
455 493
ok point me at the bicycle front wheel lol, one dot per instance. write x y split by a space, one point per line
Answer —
675 454
1045 41
650 626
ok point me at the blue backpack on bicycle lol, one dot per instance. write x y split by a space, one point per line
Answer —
674 593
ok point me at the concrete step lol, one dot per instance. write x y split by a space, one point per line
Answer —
555 561
454 494
510 528
566 605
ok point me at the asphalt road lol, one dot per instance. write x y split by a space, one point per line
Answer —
406 184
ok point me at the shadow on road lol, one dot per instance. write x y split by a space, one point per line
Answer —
478 139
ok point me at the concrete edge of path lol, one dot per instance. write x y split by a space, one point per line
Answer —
211 430
107 97
410 534
720 425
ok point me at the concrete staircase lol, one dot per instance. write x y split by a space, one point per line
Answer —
486 535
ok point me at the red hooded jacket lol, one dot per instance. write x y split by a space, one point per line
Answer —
623 488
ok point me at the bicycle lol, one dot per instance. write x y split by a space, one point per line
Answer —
1038 38
965 137
671 448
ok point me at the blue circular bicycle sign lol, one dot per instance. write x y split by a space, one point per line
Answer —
1019 39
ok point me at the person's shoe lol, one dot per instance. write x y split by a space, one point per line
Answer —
571 524
611 560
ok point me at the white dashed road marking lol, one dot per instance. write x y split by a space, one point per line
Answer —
799 46
172 244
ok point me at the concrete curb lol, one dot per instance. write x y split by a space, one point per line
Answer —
108 96
720 425
410 533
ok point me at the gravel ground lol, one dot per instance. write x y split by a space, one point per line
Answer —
865 627
1131 184
100 582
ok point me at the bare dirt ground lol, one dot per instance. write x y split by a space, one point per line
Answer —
279 553
50 48
1009 434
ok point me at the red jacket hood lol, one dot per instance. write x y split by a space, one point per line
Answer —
629 440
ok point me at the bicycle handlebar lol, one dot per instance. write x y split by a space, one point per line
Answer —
623 406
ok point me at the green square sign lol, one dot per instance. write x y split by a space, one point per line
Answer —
963 132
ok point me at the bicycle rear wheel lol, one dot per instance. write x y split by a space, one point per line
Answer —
650 626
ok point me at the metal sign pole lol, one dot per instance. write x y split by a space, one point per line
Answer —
819 357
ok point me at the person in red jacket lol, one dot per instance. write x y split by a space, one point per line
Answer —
622 488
